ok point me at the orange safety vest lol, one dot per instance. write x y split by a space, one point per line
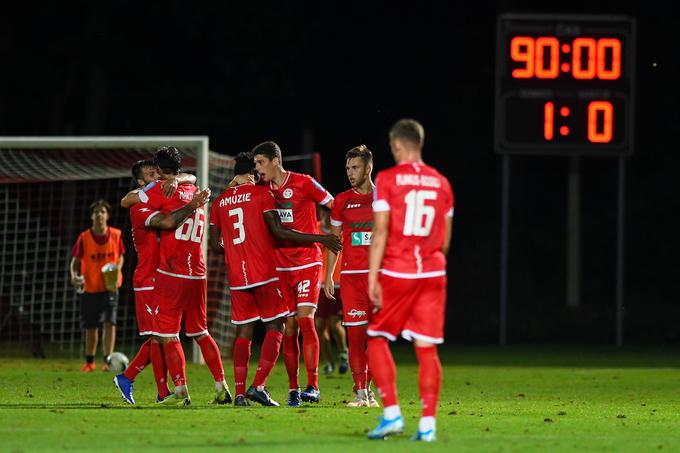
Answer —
97 255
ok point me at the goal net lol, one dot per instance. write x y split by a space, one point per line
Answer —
46 186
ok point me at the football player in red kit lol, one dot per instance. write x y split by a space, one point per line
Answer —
413 218
181 283
245 217
352 219
298 265
145 174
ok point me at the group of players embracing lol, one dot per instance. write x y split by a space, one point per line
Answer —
394 236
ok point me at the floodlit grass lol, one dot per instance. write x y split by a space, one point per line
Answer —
513 399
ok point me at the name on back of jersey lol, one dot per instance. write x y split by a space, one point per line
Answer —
235 199
413 179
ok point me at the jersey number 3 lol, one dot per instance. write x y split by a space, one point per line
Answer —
419 217
238 225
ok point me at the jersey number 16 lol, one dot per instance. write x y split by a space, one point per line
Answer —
419 216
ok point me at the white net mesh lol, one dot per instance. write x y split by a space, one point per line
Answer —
45 190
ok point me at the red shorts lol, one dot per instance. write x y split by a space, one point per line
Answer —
300 288
414 308
144 305
329 307
176 298
263 302
356 306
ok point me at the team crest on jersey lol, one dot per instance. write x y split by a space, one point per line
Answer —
288 193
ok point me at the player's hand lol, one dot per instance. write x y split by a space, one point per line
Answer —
241 179
200 198
375 294
329 288
77 281
169 186
332 242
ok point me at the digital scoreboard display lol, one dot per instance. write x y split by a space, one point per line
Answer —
565 84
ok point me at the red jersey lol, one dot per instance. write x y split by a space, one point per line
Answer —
248 244
353 212
180 250
296 200
419 199
146 244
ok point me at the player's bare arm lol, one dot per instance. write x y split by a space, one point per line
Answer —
169 186
130 199
174 219
214 240
330 241
331 260
75 271
447 238
381 223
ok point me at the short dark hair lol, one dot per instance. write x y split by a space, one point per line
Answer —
100 203
137 168
168 158
269 149
244 164
409 130
361 151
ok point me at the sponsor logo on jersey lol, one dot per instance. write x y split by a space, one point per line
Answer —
361 225
286 215
185 195
288 193
144 210
361 238
353 205
354 313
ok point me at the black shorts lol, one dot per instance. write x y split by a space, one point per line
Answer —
95 308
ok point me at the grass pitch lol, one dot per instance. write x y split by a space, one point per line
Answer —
512 399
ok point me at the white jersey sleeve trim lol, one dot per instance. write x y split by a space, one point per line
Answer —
380 333
413 276
145 288
254 285
306 304
145 333
381 206
247 321
327 199
450 213
297 268
411 335
188 277
197 334
336 223
147 222
358 271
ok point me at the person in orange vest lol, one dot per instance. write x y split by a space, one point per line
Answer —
97 257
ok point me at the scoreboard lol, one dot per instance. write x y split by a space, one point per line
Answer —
565 85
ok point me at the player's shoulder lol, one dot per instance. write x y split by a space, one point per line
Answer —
342 197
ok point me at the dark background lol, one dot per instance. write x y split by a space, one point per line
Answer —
329 77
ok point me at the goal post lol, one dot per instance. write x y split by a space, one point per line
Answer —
46 185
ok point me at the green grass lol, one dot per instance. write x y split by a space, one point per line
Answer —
513 399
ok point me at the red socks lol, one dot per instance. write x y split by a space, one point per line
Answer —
291 357
160 370
268 356
357 355
429 379
310 348
384 371
174 357
141 360
241 358
211 355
